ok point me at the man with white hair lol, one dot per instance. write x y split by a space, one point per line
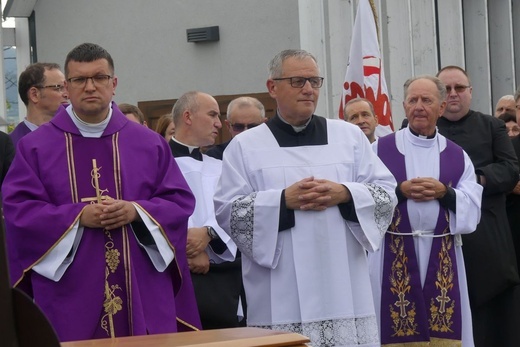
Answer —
505 104
243 113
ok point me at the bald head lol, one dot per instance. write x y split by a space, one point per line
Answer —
197 119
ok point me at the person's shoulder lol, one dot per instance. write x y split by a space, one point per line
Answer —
208 160
341 126
490 120
136 129
483 117
20 130
335 123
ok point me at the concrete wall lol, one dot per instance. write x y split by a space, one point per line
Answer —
147 40
153 60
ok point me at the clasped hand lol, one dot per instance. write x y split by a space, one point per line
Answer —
109 214
423 189
197 241
315 194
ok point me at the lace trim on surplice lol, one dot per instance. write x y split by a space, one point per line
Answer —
334 332
383 211
242 222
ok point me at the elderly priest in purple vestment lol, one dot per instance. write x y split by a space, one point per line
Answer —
96 213
418 275
304 198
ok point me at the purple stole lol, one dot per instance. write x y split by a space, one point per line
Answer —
411 315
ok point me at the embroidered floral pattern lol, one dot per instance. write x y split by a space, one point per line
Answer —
403 311
242 222
383 211
441 314
113 303
334 332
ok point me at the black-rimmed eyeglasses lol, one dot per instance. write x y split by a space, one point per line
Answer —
81 82
299 82
238 127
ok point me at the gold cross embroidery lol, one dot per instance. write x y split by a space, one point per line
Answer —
95 183
402 303
443 299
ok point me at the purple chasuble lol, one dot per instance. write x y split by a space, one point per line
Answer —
411 314
20 131
111 287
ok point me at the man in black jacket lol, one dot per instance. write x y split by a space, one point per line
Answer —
489 255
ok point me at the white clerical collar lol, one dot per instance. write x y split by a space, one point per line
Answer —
421 140
88 129
31 126
296 128
190 148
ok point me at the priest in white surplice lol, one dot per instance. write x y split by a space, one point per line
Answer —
418 274
304 198
216 277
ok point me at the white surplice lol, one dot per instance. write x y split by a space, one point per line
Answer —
422 159
202 177
312 278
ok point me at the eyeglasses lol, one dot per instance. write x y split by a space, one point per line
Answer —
238 127
458 88
56 87
299 82
81 82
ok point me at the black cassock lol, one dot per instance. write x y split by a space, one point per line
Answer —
489 254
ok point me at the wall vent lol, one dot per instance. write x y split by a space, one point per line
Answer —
203 34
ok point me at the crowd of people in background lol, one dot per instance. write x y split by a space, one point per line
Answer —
297 223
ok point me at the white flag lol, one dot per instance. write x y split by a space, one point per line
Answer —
364 77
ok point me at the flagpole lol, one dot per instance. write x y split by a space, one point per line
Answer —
376 19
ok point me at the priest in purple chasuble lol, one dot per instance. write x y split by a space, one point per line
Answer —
96 213
418 275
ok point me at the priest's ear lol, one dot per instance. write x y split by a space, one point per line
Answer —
33 94
186 117
271 87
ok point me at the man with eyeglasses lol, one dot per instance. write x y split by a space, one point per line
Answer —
96 213
41 88
489 254
304 197
242 113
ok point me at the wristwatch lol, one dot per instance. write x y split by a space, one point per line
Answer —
212 233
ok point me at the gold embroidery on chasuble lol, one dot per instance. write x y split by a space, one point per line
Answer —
114 273
403 311
443 307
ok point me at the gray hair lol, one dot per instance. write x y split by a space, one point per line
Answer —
245 101
187 101
441 88
508 98
275 65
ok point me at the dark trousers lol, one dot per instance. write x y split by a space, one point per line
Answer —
217 294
